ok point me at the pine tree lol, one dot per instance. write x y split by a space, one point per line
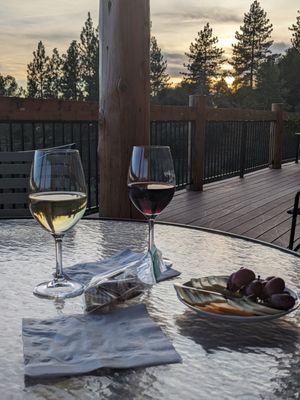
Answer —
8 86
158 65
54 76
253 46
71 74
222 94
270 88
205 61
296 33
37 73
289 66
89 59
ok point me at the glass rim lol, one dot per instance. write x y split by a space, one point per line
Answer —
151 147
55 150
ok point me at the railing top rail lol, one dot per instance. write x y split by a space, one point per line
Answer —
172 113
18 109
232 114
291 115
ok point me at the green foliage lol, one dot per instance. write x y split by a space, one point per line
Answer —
54 75
289 66
176 96
270 88
38 74
245 97
222 95
159 79
205 61
296 33
89 59
71 83
253 46
72 76
8 86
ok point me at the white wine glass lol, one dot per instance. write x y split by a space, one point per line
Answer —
57 201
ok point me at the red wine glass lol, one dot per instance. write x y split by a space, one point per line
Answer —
151 184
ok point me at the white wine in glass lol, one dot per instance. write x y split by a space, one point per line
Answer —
57 201
58 212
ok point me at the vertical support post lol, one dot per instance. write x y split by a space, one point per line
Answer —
298 144
198 150
276 142
243 149
124 119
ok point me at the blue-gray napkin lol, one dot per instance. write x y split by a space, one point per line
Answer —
79 344
84 272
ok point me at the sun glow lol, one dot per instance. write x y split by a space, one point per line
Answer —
229 80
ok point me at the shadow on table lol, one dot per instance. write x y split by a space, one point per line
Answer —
228 336
282 335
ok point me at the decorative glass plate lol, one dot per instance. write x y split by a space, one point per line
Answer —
209 297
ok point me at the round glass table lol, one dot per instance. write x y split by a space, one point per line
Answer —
221 360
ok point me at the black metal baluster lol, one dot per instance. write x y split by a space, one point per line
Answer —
89 167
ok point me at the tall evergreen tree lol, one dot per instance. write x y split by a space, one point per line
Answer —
8 86
89 59
38 73
252 47
204 61
71 74
159 79
54 76
295 28
270 88
289 66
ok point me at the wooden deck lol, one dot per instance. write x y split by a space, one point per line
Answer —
255 206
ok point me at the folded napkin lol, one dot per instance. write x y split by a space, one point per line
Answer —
78 344
85 272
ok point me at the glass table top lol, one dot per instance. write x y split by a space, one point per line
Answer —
221 360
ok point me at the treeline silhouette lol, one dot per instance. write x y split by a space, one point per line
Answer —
259 76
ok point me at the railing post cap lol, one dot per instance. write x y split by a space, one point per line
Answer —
277 106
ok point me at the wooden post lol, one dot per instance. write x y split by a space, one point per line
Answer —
197 156
124 97
276 142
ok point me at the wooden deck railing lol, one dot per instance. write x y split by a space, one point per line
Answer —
207 143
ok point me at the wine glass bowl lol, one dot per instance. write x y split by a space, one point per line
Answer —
151 186
57 201
151 179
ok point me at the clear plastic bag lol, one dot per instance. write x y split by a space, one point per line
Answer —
116 287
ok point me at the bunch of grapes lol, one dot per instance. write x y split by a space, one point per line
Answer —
271 291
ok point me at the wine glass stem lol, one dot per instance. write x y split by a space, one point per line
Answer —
58 251
151 233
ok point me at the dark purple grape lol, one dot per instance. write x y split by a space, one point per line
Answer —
230 285
274 286
269 278
282 301
255 288
243 277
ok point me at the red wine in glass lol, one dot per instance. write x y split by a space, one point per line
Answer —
151 186
151 198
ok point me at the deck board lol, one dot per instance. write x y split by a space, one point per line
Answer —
255 206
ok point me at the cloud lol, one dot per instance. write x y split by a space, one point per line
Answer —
280 47
194 16
175 57
175 71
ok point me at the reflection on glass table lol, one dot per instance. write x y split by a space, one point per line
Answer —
220 360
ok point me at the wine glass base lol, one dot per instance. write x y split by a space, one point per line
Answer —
61 288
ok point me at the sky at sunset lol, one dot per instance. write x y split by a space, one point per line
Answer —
175 24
